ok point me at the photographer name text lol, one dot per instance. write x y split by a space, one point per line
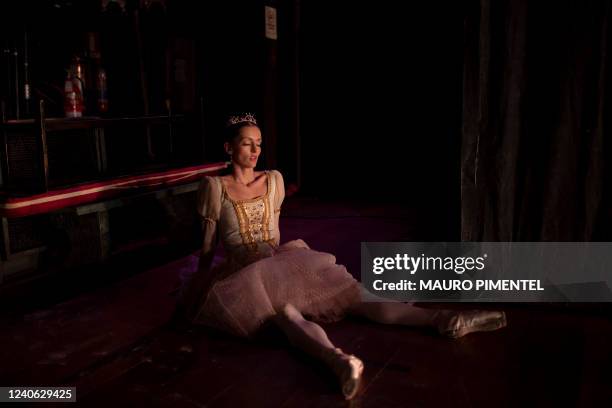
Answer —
460 285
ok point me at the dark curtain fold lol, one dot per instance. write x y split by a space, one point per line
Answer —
535 118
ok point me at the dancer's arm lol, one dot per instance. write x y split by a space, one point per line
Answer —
278 201
199 283
209 245
209 207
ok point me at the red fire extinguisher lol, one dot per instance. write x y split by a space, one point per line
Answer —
73 96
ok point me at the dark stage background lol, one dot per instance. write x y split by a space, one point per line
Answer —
487 117
381 107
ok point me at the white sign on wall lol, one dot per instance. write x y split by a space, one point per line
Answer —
271 32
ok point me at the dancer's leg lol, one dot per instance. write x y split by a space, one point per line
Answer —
385 311
303 334
448 322
309 337
395 313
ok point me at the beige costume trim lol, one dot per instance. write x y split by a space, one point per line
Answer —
244 212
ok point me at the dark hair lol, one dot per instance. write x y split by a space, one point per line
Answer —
232 131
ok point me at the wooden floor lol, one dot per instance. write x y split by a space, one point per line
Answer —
113 342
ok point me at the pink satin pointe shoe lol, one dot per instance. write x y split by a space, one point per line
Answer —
455 324
349 370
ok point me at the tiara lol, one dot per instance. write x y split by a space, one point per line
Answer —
245 117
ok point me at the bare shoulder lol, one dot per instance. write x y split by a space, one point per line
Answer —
228 180
261 175
229 176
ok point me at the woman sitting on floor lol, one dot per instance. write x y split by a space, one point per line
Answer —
290 285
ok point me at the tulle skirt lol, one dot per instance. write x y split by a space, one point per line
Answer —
242 301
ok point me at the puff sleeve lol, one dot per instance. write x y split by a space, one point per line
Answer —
280 192
279 196
209 200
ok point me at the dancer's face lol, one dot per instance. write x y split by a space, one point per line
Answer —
246 147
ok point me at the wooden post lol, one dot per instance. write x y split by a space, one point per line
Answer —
270 91
43 144
4 173
100 141
104 234
170 124
295 74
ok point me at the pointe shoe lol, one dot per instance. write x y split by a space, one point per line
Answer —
349 370
455 324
